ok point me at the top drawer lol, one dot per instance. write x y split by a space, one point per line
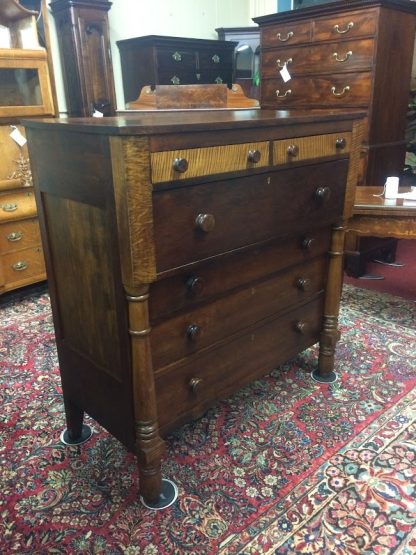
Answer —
17 205
346 25
169 58
286 34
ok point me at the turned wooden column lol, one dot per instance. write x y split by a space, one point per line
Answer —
83 34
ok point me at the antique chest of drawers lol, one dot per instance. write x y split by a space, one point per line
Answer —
188 254
346 55
160 60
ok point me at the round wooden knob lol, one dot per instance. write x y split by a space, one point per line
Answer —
307 243
254 156
195 384
340 142
194 285
304 284
322 194
293 150
192 332
205 222
180 165
301 327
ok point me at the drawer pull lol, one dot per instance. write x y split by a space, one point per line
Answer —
219 80
9 207
323 194
286 63
307 243
284 39
292 150
177 57
304 284
205 222
254 156
216 59
195 384
194 285
301 327
286 93
20 266
175 80
180 165
340 143
14 236
192 332
345 58
342 93
349 26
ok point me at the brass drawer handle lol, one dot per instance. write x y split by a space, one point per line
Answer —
180 165
323 194
301 327
20 266
287 93
283 64
195 384
177 57
175 80
307 243
194 285
288 36
9 207
292 150
218 80
193 331
349 26
340 142
205 222
345 58
14 236
304 284
216 59
254 156
342 93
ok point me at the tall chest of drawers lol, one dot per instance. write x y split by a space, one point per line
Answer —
346 55
188 254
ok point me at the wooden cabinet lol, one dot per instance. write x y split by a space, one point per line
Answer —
346 55
187 255
159 60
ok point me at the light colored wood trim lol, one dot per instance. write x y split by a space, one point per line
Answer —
315 146
358 130
399 227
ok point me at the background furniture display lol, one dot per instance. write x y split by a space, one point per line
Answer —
216 257
160 60
84 45
25 90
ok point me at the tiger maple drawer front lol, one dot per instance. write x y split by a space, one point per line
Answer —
333 57
286 34
19 234
205 377
22 265
216 277
184 164
304 148
197 222
342 89
346 25
16 205
177 337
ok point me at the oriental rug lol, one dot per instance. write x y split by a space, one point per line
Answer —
285 466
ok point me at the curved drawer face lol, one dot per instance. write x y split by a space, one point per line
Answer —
24 264
186 390
346 25
223 275
201 221
172 165
331 57
307 148
14 206
342 90
18 235
286 34
188 332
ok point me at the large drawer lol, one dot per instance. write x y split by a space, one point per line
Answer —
177 337
186 390
334 57
22 265
342 89
17 205
197 222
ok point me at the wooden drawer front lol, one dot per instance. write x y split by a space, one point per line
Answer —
22 265
17 205
19 234
188 332
332 57
286 34
177 77
219 76
207 161
217 277
346 25
343 90
242 212
176 59
184 391
216 60
304 148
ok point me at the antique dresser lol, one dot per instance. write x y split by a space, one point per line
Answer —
187 254
161 60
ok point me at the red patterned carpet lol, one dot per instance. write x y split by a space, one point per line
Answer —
286 466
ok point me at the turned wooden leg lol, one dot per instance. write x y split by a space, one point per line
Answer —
76 432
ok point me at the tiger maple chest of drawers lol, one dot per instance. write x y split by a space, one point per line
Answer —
188 254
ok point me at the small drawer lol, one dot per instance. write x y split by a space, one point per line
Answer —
19 234
286 34
305 148
346 25
23 265
173 165
188 332
186 390
175 59
219 76
17 205
215 59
